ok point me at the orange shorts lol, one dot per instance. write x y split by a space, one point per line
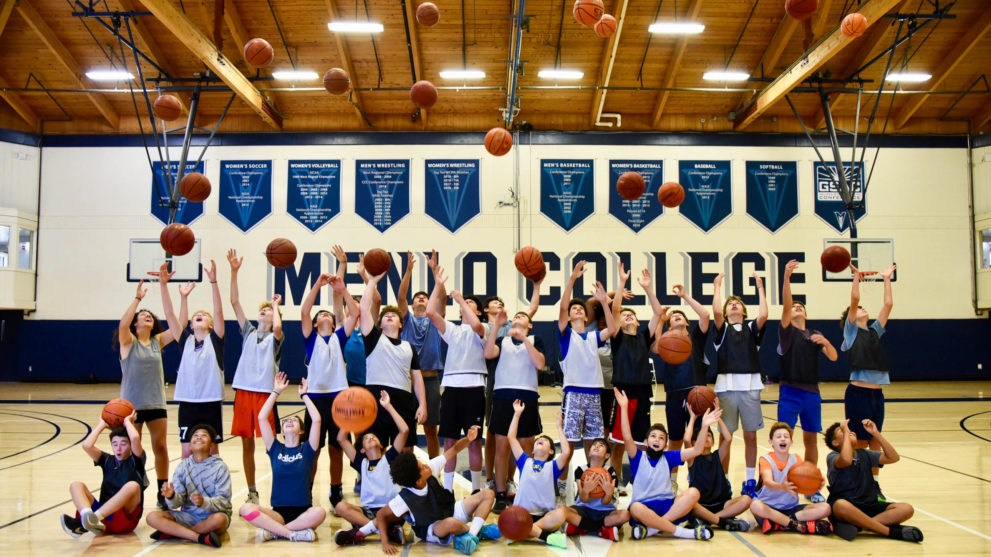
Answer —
247 404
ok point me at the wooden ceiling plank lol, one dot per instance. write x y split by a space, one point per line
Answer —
236 26
414 44
981 118
948 63
772 53
55 45
189 35
20 107
606 64
6 8
807 64
672 70
345 54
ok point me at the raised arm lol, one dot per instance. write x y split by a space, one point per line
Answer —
218 305
710 417
89 443
235 263
343 439
316 432
562 319
537 357
882 316
456 448
184 290
401 302
367 317
890 455
603 298
133 434
468 315
646 282
623 402
337 284
762 305
399 441
535 298
342 266
845 458
276 317
492 349
851 315
441 279
124 335
279 385
376 297
438 300
617 301
717 300
786 298
698 308
514 426
174 329
306 308
565 457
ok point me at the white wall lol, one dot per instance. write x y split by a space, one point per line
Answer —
982 221
19 169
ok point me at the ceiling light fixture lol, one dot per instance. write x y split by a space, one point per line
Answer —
676 28
109 75
725 75
355 27
295 75
908 77
462 74
560 74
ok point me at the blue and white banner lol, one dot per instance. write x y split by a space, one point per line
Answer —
187 211
314 192
381 191
245 192
640 212
452 196
829 204
708 192
567 191
772 192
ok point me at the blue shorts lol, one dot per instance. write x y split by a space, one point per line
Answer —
861 403
795 403
660 507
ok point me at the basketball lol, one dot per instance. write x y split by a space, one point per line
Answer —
177 239
167 107
606 26
427 14
354 409
671 194
590 473
336 81
498 141
834 259
854 25
423 94
515 523
377 261
281 253
806 476
630 185
529 261
115 411
195 187
258 52
539 276
587 12
674 348
700 399
801 9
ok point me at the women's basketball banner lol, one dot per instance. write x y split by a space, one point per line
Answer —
772 192
245 192
708 192
451 195
567 191
381 191
636 213
314 192
161 185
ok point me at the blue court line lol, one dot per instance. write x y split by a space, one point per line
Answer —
45 442
964 427
88 429
748 544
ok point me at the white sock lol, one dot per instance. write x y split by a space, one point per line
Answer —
751 473
476 479
90 509
654 531
449 481
682 533
875 477
476 525
369 528
99 515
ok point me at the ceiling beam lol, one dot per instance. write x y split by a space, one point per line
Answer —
414 46
188 34
681 45
608 59
981 118
54 44
345 54
772 53
950 61
807 64
6 8
236 26
20 107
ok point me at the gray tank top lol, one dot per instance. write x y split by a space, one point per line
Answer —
143 381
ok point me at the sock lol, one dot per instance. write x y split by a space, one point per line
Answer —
84 511
369 529
337 490
543 535
476 525
99 515
476 479
679 532
252 488
449 481
751 473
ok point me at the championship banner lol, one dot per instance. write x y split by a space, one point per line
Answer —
187 211
452 196
245 192
314 192
708 192
640 212
567 191
828 201
381 191
772 192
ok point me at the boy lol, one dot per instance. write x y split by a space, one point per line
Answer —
799 350
595 514
655 508
776 506
431 510
852 490
707 473
201 491
738 383
261 350
119 508
376 486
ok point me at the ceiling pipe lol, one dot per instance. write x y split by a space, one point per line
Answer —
509 112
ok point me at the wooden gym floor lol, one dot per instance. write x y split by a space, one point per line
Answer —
941 429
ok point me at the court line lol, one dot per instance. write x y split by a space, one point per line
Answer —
748 544
58 430
88 430
964 427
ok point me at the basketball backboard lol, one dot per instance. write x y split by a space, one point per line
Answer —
146 254
872 254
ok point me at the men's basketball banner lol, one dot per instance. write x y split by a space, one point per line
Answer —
708 192
161 185
381 191
829 204
451 195
314 192
772 192
245 192
567 191
636 213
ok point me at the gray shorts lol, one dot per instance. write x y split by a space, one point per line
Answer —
741 406
190 519
582 415
431 389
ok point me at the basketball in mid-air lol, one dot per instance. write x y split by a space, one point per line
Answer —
671 194
835 258
498 141
377 261
587 12
674 347
606 26
700 399
177 239
258 52
167 107
423 94
630 185
195 187
801 9
281 253
529 261
427 14
336 81
854 25
354 409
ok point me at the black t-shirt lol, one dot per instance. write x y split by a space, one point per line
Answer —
691 372
116 473
631 357
372 339
708 477
855 483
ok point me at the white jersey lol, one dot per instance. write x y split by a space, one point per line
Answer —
325 371
464 365
652 483
515 369
580 365
389 364
536 489
774 497
256 366
200 378
377 487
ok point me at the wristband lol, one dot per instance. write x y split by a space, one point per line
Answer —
138 299
213 282
276 393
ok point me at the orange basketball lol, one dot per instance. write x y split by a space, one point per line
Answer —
354 409
630 185
671 194
336 81
167 107
116 410
529 261
195 187
806 476
177 239
515 523
281 253
498 141
427 14
590 473
423 94
834 259
801 9
587 12
606 26
674 348
539 276
854 25
700 399
377 261
258 52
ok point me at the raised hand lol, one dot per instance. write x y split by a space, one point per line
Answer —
186 288
162 273
819 339
601 295
518 406
757 280
384 399
281 382
501 318
340 254
304 385
276 300
719 279
621 399
361 268
870 427
578 271
141 290
790 268
644 279
473 433
886 274
679 291
234 260
624 275
211 271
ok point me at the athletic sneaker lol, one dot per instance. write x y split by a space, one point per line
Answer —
91 522
558 540
574 530
737 525
501 502
511 489
210 539
489 532
880 496
639 532
749 488
609 533
768 526
252 496
490 484
349 537
263 535
306 535
845 530
158 536
396 535
816 498
465 543
815 527
72 526
702 533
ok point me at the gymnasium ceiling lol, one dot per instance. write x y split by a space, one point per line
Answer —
652 82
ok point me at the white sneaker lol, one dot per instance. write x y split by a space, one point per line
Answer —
252 497
307 535
91 522
262 536
490 485
511 488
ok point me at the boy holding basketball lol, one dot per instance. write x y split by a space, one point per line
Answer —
261 350
591 513
431 510
738 383
707 472
119 508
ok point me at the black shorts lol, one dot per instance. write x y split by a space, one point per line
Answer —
370 512
489 388
592 520
871 509
676 412
431 393
405 404
150 415
460 409
328 429
860 403
290 514
790 513
502 416
716 507
192 414
607 398
639 422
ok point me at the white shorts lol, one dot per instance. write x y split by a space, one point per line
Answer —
459 513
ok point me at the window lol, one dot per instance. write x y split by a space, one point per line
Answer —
986 248
4 244
25 247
